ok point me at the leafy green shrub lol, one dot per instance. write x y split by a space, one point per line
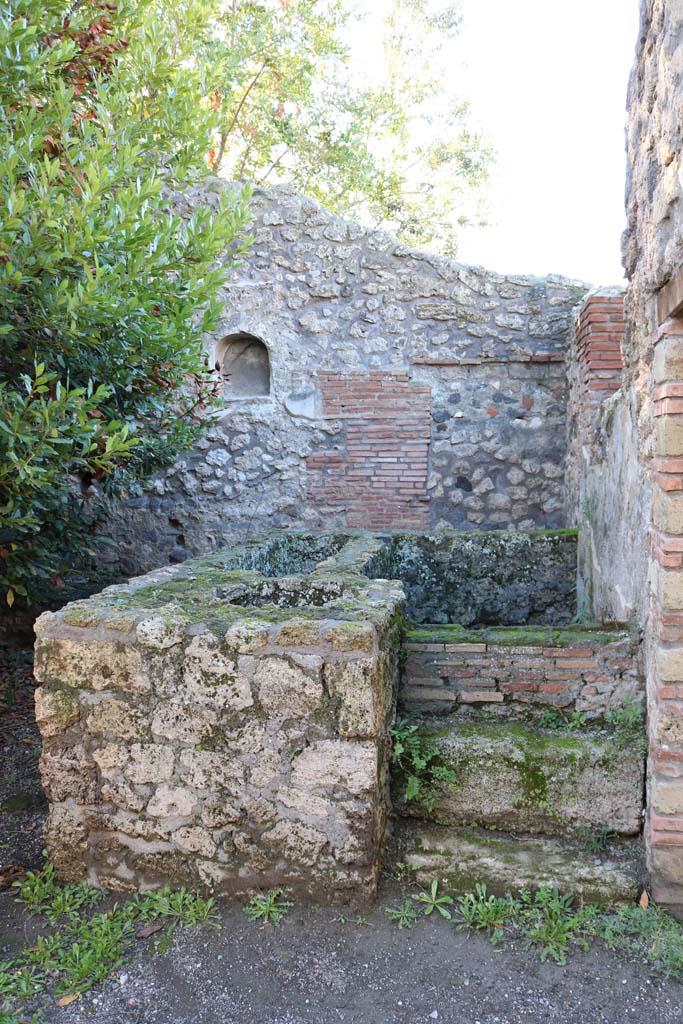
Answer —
104 293
415 758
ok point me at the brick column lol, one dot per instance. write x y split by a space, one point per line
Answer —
665 673
599 335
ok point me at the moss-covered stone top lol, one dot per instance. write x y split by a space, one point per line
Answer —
583 635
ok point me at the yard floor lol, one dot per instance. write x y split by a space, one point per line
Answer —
321 966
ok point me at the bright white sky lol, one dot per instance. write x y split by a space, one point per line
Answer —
547 81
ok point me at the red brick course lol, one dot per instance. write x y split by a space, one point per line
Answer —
599 334
437 676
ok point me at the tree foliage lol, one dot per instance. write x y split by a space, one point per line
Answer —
396 148
104 294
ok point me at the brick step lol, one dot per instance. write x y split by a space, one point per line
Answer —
507 863
520 778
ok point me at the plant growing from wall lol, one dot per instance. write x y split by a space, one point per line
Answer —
415 761
104 293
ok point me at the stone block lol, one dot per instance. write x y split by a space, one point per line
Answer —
461 859
668 511
670 436
520 779
90 664
667 362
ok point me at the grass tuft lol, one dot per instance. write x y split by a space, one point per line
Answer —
85 947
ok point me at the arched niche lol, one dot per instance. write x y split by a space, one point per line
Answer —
244 364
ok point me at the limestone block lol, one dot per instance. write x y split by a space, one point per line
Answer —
298 633
172 802
669 584
194 839
216 772
210 677
66 842
163 630
666 797
150 762
352 636
669 661
90 664
296 841
110 758
670 435
56 709
331 763
68 772
668 511
667 362
666 864
247 636
364 694
285 690
178 722
123 795
462 859
117 719
519 779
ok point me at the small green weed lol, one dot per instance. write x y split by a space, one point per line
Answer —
86 947
404 914
595 840
482 911
628 725
561 721
269 908
648 933
432 901
415 758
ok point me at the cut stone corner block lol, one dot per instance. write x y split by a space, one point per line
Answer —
201 729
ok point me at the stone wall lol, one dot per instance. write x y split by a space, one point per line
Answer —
479 578
222 728
627 479
406 390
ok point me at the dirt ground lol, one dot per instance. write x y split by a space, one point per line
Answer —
321 966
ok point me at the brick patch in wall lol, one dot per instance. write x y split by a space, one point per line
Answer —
591 678
378 470
599 334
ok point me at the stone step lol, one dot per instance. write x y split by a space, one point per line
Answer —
512 776
460 859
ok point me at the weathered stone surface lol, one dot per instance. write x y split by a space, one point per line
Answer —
504 863
117 719
172 802
90 664
56 709
150 762
496 578
210 677
66 841
256 754
68 773
285 690
524 779
163 630
352 765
